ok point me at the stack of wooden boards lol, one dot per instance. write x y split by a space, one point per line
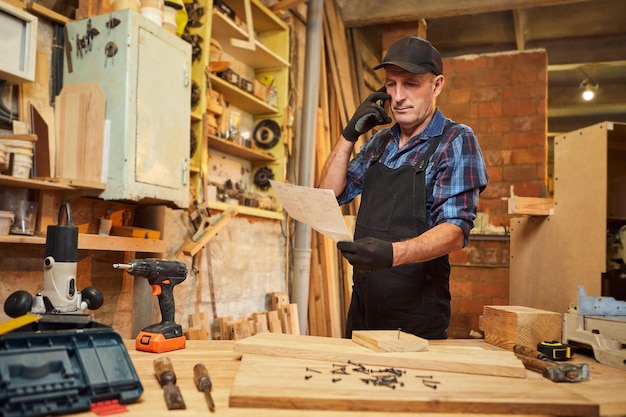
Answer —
281 318
444 378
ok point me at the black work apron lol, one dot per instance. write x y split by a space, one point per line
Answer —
413 297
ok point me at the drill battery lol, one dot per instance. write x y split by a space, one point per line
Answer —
555 350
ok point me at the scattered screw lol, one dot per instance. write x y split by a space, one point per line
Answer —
307 377
424 376
313 370
433 386
336 379
341 370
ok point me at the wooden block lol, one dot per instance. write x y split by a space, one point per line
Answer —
260 321
195 333
238 329
221 326
505 326
137 232
284 320
273 322
279 299
389 341
292 317
532 206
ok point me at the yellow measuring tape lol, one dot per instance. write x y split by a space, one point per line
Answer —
18 322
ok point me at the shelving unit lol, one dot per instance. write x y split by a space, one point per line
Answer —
266 51
552 254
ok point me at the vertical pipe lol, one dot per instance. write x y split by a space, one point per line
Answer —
302 233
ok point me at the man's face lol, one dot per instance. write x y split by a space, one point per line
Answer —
412 96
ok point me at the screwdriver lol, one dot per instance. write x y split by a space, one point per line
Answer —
203 383
167 378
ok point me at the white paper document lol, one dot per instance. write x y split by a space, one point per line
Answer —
315 207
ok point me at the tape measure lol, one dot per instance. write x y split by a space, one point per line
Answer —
18 322
555 350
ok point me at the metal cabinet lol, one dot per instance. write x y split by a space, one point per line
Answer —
144 71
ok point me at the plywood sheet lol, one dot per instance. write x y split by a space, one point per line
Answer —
451 359
291 386
551 256
80 119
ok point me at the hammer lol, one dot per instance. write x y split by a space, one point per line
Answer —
556 372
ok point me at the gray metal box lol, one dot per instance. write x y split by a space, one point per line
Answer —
145 72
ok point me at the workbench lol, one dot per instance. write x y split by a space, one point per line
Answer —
605 387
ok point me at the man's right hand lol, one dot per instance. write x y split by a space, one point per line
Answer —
367 116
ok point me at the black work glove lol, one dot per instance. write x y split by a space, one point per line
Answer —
368 254
368 115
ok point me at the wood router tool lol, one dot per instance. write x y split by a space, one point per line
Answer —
60 294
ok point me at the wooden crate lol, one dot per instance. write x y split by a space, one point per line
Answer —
505 326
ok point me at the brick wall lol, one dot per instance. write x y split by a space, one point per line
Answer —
503 97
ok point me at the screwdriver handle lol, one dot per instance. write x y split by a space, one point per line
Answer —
201 377
164 370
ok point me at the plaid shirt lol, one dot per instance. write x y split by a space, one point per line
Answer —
455 174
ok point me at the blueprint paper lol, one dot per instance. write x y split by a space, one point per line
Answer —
315 207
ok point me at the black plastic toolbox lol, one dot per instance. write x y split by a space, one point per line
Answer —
48 368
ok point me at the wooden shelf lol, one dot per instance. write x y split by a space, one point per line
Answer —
53 184
234 149
97 242
224 29
240 98
246 211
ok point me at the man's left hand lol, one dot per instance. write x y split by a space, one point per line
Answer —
368 254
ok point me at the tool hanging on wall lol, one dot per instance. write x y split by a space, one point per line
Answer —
262 178
266 134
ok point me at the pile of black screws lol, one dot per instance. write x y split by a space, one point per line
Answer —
385 377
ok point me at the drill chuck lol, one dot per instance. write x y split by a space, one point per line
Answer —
153 268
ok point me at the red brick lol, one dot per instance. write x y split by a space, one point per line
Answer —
495 173
518 108
528 123
515 140
492 158
529 156
494 78
490 110
524 76
458 257
474 305
467 64
461 289
458 95
487 94
514 173
483 289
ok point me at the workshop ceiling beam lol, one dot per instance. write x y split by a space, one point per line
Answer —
370 12
519 23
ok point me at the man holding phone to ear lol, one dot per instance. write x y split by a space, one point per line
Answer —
419 181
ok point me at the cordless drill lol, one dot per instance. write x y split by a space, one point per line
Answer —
162 276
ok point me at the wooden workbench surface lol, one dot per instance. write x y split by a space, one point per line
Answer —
604 388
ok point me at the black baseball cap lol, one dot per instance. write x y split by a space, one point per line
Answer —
414 55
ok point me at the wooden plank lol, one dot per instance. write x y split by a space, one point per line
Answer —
191 248
455 393
532 206
389 341
462 360
80 131
369 12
